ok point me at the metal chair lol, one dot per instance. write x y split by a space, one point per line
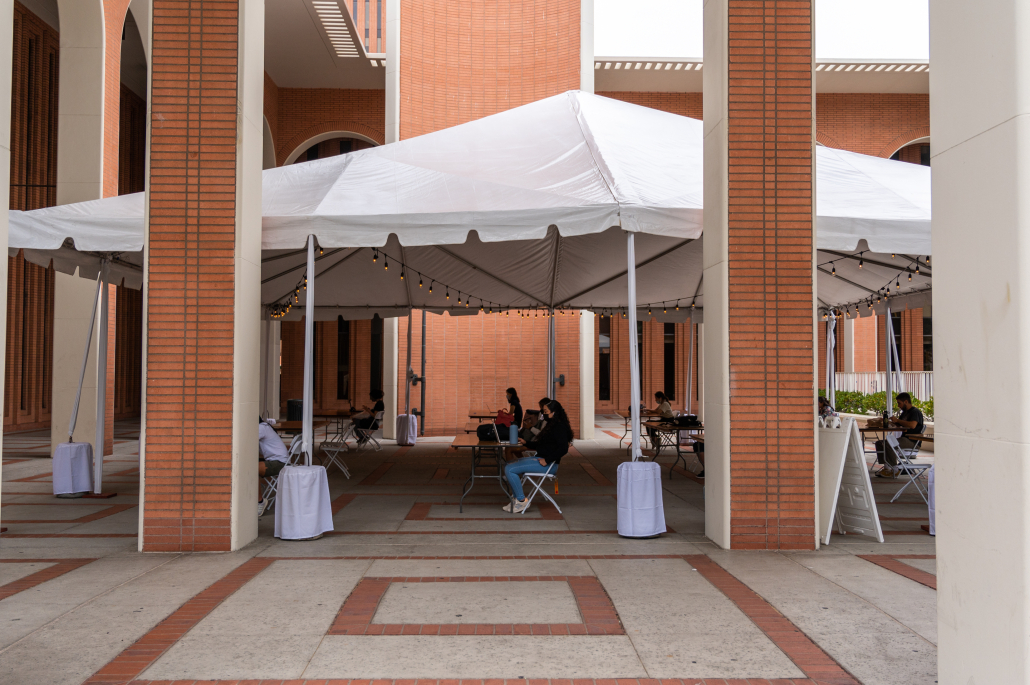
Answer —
367 436
332 449
537 481
271 488
908 467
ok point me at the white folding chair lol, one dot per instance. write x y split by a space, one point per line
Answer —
333 448
367 436
271 488
537 481
908 467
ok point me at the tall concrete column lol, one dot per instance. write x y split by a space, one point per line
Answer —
391 327
391 354
980 115
587 399
271 337
6 70
758 274
203 275
586 47
846 339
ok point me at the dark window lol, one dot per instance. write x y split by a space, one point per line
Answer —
924 155
346 146
312 153
604 360
342 359
670 360
376 381
927 343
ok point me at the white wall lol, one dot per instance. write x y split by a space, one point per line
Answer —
587 345
980 115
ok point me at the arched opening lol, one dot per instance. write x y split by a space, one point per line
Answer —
268 146
330 144
915 152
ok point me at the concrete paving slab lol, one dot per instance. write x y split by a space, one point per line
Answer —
35 512
450 568
373 513
869 643
269 628
928 565
914 605
472 511
91 635
12 572
468 602
501 525
684 627
494 656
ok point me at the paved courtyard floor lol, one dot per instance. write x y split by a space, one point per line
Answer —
407 588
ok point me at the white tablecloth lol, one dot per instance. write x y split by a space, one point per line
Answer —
302 507
73 468
639 487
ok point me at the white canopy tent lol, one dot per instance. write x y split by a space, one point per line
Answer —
529 208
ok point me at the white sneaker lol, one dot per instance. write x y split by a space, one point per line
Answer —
261 508
521 506
507 507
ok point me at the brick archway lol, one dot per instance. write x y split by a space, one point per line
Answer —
827 140
300 141
904 139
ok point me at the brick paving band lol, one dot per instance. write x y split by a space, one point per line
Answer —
59 568
596 608
497 681
420 512
891 563
140 655
799 648
111 510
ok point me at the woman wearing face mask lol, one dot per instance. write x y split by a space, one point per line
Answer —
551 445
514 406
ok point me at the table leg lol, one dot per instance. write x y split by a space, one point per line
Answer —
470 482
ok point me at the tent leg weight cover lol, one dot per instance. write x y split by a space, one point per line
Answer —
639 488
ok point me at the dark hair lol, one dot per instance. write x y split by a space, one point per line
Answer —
661 395
376 394
544 402
558 417
904 397
514 396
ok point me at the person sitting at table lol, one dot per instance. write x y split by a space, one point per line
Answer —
367 419
663 411
910 420
530 428
825 408
514 406
272 454
551 445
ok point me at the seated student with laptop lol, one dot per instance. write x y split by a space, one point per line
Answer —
910 421
551 445
272 453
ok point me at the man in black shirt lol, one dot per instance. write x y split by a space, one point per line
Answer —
910 421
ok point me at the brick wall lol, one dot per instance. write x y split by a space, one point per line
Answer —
128 353
911 348
867 331
191 275
270 106
304 113
114 23
770 236
480 57
684 104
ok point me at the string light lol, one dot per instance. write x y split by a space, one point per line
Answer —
892 255
677 305
320 251
402 273
386 263
420 280
909 277
834 269
431 286
928 260
860 260
375 256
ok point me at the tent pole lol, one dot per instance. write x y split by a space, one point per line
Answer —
634 362
831 367
422 381
690 365
553 389
98 450
309 340
896 361
408 372
85 357
887 356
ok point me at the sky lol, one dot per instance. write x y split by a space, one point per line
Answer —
845 29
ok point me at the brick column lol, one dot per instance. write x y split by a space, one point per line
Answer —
758 258
203 274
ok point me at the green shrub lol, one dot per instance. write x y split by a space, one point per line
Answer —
873 404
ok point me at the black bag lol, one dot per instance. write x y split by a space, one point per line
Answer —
487 432
686 421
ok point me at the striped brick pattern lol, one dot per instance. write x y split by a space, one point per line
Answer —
599 615
891 563
114 24
191 275
770 91
59 568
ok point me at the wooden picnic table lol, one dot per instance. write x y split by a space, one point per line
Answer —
482 414
472 426
482 450
298 426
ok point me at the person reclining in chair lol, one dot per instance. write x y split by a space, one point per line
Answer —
551 445
366 420
272 453
910 420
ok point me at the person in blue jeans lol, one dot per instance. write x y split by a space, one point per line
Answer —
551 445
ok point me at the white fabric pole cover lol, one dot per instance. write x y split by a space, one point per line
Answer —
634 361
639 494
309 354
98 451
303 508
71 468
831 344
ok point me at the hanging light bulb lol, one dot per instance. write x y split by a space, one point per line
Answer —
402 273
664 309
897 284
375 256
860 260
834 269
320 251
917 267
386 263
692 304
892 255
466 303
431 286
459 297
649 310
420 280
928 260
677 305
910 278
824 316
448 293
